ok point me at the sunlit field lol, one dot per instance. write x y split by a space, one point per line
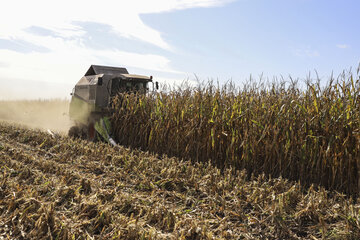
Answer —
273 160
54 187
309 133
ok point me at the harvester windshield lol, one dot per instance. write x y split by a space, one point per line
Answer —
129 85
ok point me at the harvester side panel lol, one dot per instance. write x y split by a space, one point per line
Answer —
103 92
80 110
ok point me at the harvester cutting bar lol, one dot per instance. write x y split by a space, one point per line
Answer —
103 128
108 138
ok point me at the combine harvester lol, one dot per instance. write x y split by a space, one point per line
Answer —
90 106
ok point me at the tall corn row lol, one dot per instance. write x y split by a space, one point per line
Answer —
310 134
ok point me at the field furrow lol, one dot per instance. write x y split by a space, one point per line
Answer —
60 188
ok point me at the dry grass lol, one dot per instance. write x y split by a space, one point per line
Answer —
311 134
59 188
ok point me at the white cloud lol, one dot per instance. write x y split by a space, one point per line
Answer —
342 46
71 60
306 52
67 56
123 16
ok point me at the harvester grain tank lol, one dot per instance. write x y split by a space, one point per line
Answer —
92 96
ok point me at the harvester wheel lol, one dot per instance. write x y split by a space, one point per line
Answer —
91 133
83 132
78 132
74 132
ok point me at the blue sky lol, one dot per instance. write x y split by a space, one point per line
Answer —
44 52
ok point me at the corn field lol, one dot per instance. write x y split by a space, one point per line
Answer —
308 133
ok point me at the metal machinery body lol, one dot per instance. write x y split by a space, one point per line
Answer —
91 99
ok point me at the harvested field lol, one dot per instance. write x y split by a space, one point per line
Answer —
60 188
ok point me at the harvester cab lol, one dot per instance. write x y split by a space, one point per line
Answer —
92 96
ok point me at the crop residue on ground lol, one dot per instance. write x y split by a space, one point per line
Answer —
60 188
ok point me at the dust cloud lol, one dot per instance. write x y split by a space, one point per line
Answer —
42 114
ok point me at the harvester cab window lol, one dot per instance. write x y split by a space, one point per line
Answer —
132 86
129 86
117 86
139 86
